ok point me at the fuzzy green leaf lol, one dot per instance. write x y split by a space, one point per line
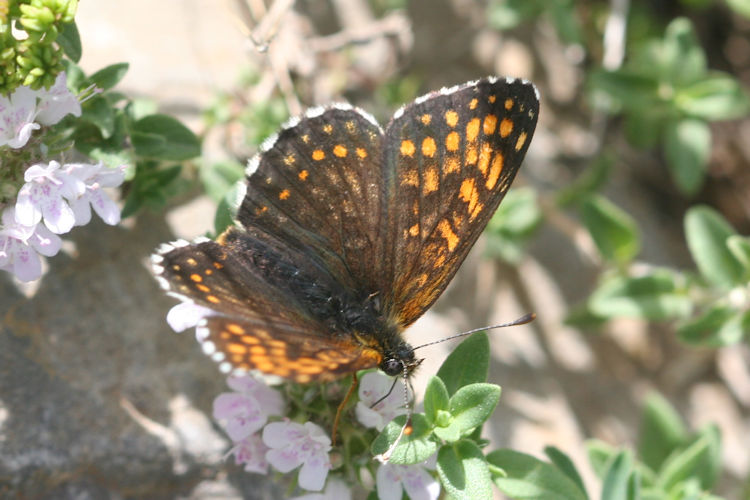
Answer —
468 363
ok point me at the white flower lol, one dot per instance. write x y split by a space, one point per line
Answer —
373 387
294 444
251 452
243 413
94 178
335 490
20 244
56 102
17 114
392 480
43 197
25 109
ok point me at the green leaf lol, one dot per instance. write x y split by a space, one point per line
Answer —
527 477
612 90
472 404
435 398
719 96
616 481
413 448
654 297
108 77
740 248
687 463
469 407
70 41
468 363
661 431
563 462
98 111
687 147
706 232
163 137
721 325
643 127
682 55
600 454
463 471
614 232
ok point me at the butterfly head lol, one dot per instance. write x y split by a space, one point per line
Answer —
400 361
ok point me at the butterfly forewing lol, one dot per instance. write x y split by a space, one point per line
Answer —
451 158
318 188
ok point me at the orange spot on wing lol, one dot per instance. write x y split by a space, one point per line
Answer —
452 141
451 165
361 153
431 181
469 194
484 157
213 299
235 328
472 129
236 348
414 230
508 103
451 118
447 234
339 151
473 103
506 127
492 99
303 175
490 122
425 119
284 194
471 154
327 128
407 148
289 159
521 141
203 288
495 170
429 147
318 155
196 277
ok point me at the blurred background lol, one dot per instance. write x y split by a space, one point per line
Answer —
617 232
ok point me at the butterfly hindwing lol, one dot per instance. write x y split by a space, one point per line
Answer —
454 155
284 351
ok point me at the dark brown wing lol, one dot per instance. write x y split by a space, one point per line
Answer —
267 309
450 158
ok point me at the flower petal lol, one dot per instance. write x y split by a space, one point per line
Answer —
312 475
388 482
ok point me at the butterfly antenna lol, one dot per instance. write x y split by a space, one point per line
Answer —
406 429
526 318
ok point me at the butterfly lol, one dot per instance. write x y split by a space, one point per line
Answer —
348 232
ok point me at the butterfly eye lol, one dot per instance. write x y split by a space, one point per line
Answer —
392 367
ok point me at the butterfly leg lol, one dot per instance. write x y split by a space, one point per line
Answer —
341 407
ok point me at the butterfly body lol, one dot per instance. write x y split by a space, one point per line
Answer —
347 232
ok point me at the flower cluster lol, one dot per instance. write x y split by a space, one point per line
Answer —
286 445
54 197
